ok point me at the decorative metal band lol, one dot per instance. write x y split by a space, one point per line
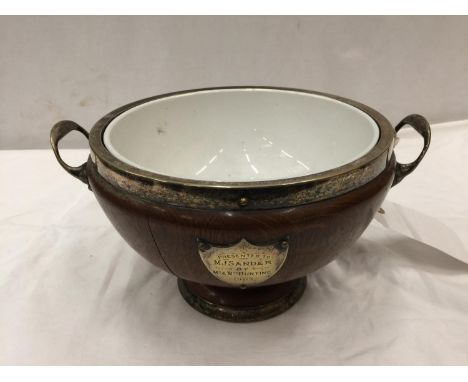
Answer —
234 199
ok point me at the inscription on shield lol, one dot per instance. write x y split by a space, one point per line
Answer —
243 264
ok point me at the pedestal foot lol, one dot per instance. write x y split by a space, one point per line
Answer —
242 305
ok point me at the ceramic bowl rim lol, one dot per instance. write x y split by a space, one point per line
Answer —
384 143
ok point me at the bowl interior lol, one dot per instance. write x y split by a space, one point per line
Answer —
241 135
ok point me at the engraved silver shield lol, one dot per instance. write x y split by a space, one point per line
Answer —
243 264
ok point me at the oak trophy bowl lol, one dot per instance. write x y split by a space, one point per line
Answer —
240 192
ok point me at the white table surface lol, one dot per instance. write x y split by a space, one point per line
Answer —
73 292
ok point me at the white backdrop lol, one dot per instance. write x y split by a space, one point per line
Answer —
73 292
79 68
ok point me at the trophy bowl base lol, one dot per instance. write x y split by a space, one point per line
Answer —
242 305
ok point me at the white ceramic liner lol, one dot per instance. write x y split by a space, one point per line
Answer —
241 135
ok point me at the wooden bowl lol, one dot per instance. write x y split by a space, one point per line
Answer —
241 192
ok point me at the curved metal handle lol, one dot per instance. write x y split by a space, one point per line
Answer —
59 130
420 124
